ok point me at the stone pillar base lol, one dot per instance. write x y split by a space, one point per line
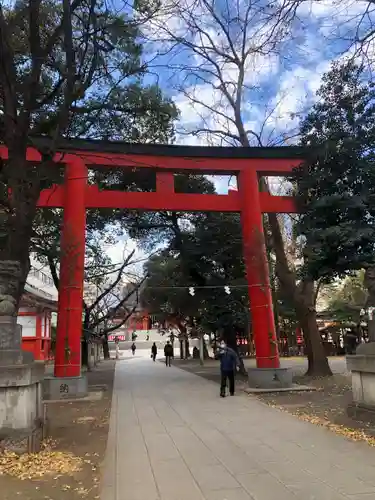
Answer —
65 387
270 378
361 412
362 366
21 408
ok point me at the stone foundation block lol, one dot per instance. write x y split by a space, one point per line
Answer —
270 378
21 407
362 367
65 387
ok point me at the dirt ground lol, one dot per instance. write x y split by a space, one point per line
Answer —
326 406
69 464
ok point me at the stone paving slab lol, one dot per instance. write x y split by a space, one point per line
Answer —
173 438
293 388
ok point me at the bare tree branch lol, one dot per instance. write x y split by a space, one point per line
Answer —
110 313
113 285
122 322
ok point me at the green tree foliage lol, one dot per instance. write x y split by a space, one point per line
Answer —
131 113
62 56
348 299
165 294
69 69
337 185
203 251
120 109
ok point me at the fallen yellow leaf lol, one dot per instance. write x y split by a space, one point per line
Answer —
37 465
353 434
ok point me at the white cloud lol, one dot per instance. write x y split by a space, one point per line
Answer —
118 252
338 21
210 43
337 10
204 107
296 91
223 182
257 69
121 250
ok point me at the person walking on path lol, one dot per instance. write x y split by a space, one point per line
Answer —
134 347
117 344
154 351
168 353
228 364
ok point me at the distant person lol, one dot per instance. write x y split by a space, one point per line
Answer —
117 345
154 352
228 364
351 342
133 348
148 338
168 353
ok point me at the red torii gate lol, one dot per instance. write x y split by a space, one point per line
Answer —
75 196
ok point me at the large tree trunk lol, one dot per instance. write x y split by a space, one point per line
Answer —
201 349
304 302
12 281
317 357
184 342
205 351
85 355
187 348
106 347
18 200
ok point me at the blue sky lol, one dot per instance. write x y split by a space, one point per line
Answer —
320 32
279 83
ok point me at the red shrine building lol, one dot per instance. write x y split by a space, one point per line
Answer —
139 322
37 312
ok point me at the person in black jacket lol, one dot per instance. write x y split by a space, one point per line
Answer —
168 353
228 364
154 351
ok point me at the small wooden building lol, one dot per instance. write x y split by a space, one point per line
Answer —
35 317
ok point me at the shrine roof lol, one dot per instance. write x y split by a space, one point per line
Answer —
99 146
35 297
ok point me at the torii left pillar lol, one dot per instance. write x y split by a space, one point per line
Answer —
68 381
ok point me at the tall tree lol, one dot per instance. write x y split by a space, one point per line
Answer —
224 48
205 254
134 114
337 185
58 62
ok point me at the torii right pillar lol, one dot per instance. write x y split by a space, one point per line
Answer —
268 373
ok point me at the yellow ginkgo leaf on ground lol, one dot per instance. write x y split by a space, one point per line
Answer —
36 465
348 432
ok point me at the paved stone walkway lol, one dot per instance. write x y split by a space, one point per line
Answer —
172 438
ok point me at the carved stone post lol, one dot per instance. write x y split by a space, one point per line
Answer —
362 364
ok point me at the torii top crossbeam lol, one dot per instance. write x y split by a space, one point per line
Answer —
165 160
